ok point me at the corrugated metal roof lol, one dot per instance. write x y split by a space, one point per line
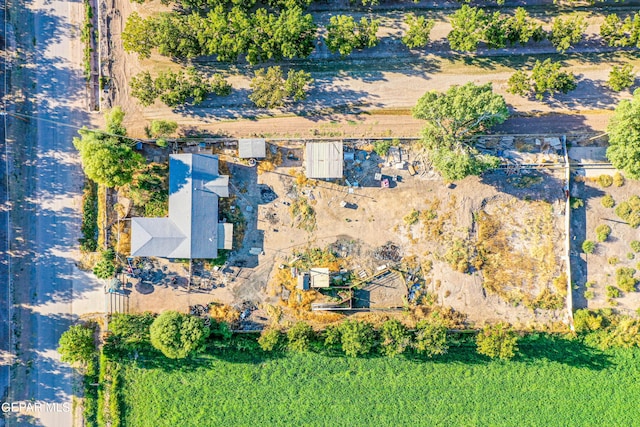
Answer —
319 277
324 160
252 148
191 230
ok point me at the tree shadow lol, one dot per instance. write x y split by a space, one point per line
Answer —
529 185
570 352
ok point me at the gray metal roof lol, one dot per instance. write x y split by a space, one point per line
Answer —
323 160
191 230
252 148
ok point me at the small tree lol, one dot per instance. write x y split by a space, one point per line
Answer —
271 90
107 158
300 336
624 137
602 232
497 341
178 335
417 34
105 268
160 128
468 27
344 34
357 337
545 78
431 338
566 33
76 344
395 338
621 78
270 339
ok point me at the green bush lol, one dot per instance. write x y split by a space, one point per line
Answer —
618 179
602 232
576 203
635 245
105 268
89 228
77 344
621 78
300 336
497 341
270 339
395 338
625 279
586 321
588 246
613 292
178 335
605 181
357 338
607 201
614 260
589 294
630 255
629 211
381 147
431 338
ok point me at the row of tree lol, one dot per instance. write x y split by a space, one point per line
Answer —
472 25
179 335
176 88
259 35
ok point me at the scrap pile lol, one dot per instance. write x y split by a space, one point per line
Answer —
388 252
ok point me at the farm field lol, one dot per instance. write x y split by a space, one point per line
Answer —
551 383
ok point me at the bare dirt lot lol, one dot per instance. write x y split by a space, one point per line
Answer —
596 275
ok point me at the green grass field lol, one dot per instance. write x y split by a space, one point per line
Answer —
551 383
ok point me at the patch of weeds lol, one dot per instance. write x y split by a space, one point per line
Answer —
618 179
607 201
605 181
629 211
613 292
89 228
614 260
589 294
302 214
625 279
412 217
602 232
458 256
576 203
635 245
590 284
630 255
381 148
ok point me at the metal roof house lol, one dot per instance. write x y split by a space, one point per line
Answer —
191 230
324 160
252 148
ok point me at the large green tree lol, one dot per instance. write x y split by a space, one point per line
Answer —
357 338
271 90
107 158
468 26
178 335
452 117
567 32
417 34
344 34
546 78
77 344
624 137
431 338
394 338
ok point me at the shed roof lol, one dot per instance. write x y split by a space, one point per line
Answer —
191 230
324 160
319 277
252 148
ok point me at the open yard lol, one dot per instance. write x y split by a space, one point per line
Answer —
607 278
552 383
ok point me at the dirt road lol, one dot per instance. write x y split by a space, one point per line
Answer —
47 96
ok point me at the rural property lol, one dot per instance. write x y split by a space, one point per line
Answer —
313 212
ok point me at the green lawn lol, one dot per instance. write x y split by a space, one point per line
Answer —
552 383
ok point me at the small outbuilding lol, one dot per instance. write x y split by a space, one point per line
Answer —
252 148
319 277
324 160
303 282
